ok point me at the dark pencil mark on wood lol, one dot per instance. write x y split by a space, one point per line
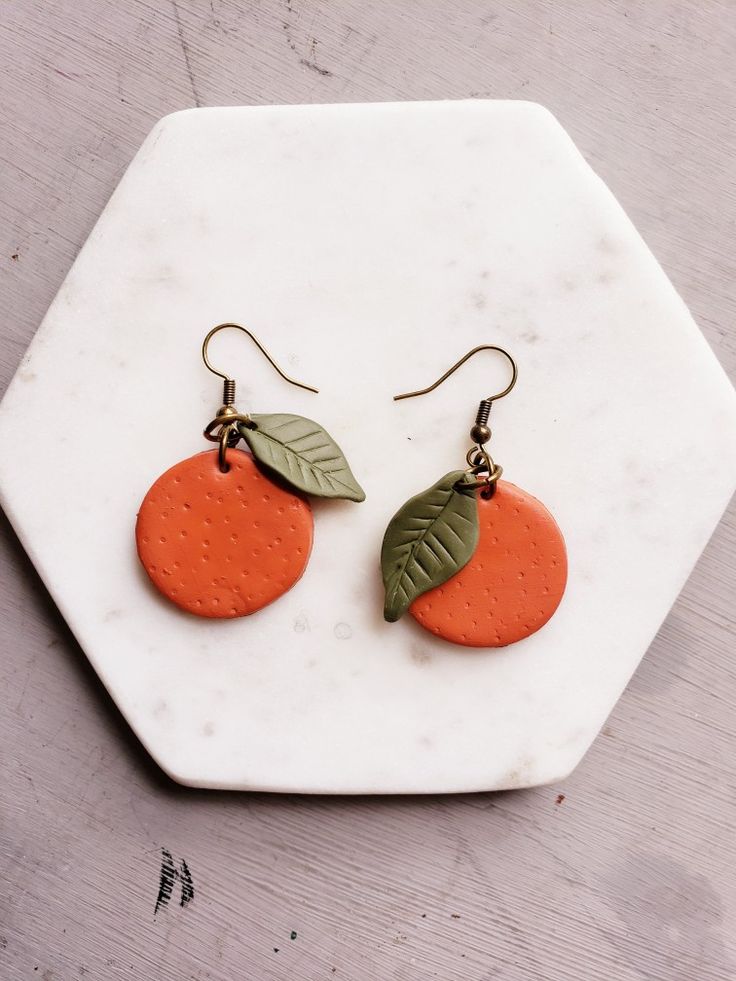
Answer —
185 51
187 886
311 60
315 67
168 878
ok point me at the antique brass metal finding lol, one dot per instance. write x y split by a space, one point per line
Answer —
478 459
223 428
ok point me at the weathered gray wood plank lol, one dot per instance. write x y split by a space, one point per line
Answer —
629 877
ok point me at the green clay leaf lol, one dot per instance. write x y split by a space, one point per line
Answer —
430 539
303 454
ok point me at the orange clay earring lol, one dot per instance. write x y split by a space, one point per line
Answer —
474 559
224 533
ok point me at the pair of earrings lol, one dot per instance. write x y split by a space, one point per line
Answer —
224 533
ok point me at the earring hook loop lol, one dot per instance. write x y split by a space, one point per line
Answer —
261 348
459 364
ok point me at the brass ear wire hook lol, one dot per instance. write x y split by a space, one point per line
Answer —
459 364
478 458
227 416
229 383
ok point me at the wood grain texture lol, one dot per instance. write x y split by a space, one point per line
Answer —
630 875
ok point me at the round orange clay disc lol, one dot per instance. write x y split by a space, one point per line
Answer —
513 583
222 544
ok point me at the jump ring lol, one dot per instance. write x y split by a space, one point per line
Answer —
488 481
224 441
224 420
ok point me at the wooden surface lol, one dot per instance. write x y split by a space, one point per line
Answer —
630 874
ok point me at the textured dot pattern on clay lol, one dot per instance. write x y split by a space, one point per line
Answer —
222 544
513 583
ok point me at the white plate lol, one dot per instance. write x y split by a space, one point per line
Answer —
369 246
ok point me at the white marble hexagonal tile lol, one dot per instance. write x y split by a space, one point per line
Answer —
369 246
